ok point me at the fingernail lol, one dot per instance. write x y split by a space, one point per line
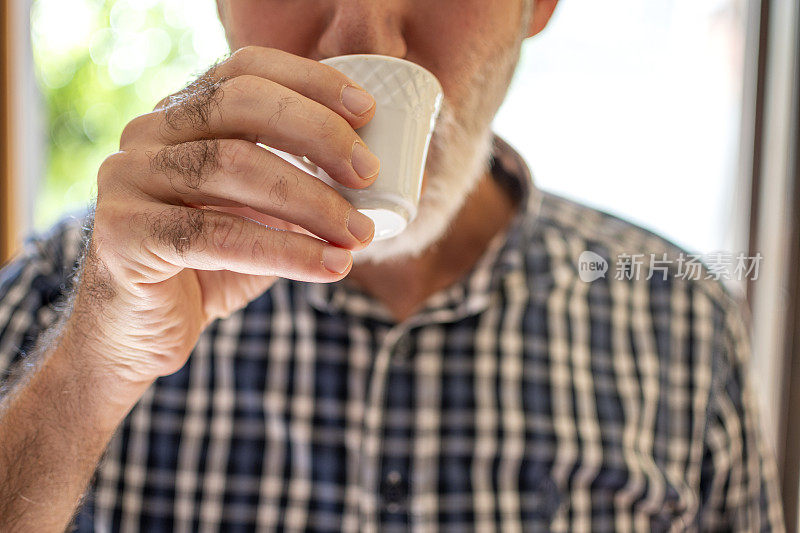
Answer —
365 163
360 225
357 101
336 260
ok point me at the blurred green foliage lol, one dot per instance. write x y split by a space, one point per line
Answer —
99 64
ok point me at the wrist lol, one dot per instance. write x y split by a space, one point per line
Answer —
106 338
83 362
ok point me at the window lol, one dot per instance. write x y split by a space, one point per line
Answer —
99 64
634 108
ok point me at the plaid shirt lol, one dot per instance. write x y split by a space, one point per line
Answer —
519 399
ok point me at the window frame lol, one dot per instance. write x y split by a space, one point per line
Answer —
8 215
775 233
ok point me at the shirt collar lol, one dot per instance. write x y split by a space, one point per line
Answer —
472 294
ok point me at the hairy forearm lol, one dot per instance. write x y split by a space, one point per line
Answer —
54 427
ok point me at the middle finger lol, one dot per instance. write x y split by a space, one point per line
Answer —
228 171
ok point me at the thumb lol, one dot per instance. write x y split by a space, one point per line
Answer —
225 292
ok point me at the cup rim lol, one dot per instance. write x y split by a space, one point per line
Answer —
392 59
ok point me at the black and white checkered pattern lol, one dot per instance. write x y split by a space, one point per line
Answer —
519 399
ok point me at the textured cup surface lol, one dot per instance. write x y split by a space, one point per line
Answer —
408 100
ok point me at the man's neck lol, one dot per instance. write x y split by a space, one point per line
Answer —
404 285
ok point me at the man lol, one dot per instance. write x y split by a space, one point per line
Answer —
223 365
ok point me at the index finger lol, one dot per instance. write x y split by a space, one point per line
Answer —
259 110
314 80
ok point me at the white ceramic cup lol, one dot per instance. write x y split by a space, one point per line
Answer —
408 100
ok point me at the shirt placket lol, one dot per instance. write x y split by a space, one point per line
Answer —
376 491
391 488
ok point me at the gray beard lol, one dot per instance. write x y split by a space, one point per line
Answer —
457 159
459 156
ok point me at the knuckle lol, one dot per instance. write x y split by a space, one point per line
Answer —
110 171
226 231
135 221
335 211
279 181
113 164
334 78
341 208
244 57
279 191
193 162
332 126
161 104
257 251
277 246
281 105
174 228
236 156
330 202
193 106
242 86
112 226
133 130
280 247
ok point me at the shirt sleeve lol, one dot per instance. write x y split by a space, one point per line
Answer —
32 286
739 480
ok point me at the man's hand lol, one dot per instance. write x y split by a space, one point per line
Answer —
176 243
179 236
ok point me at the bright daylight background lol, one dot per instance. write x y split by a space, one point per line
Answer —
631 106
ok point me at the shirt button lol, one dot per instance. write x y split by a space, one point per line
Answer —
394 492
